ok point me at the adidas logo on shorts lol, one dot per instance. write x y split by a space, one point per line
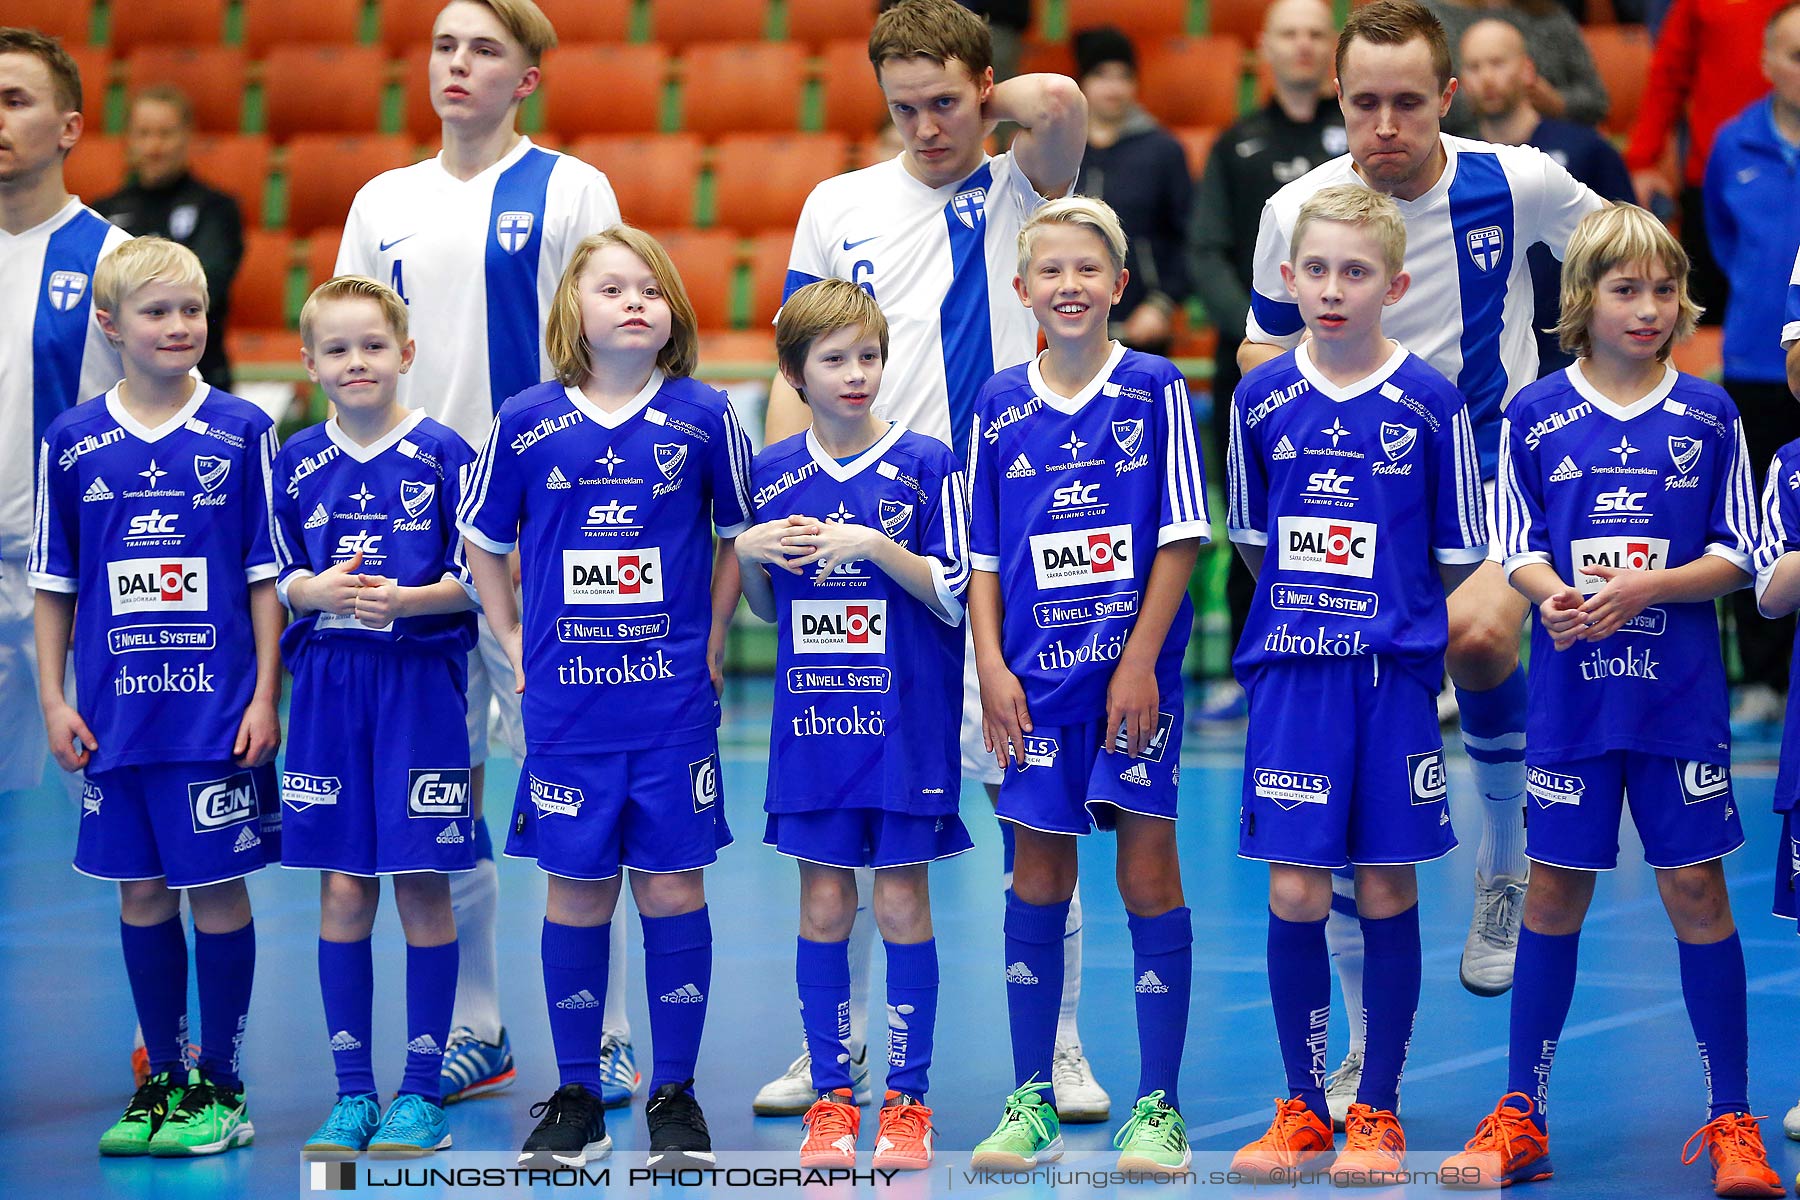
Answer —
581 999
424 1044
246 840
1020 973
687 993
557 481
1565 470
318 518
1283 451
343 1039
452 836
1150 984
1138 774
1021 468
97 490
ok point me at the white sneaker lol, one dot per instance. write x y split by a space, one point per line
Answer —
1493 944
1449 712
1080 1100
1790 1124
791 1093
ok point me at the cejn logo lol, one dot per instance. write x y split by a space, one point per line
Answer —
613 576
157 585
438 794
221 803
1330 546
840 627
1079 556
1620 553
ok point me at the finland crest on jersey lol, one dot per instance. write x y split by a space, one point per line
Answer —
394 501
1070 500
1584 482
159 532
610 514
865 674
1357 493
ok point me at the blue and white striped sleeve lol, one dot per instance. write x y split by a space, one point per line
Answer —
262 562
732 509
1790 329
1247 484
1732 532
1183 514
54 564
1460 525
1780 518
1274 318
983 492
945 537
1524 536
489 515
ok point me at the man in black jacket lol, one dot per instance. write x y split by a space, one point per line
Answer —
162 198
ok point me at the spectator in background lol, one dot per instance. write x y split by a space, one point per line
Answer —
163 199
1567 85
1499 77
1139 168
1284 139
1707 52
1752 198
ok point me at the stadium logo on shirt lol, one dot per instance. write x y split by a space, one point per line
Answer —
415 497
1701 781
894 516
1620 553
555 798
544 428
613 576
513 230
1397 440
97 490
703 783
840 627
970 207
307 466
300 791
157 585
66 289
154 528
1486 246
438 794
1425 775
1129 435
91 442
319 518
1553 787
1290 789
1078 556
1335 547
222 803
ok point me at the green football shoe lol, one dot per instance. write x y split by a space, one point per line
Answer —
1155 1140
149 1108
1029 1133
208 1120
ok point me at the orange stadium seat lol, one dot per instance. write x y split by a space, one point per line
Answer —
735 87
707 260
94 64
1192 81
761 180
1056 58
211 77
817 22
853 101
679 23
70 20
768 272
406 24
1239 18
96 167
272 23
259 293
1622 54
1142 20
237 164
325 171
604 89
321 255
654 177
165 22
323 89
1197 143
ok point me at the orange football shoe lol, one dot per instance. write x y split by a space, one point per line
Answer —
831 1127
140 1067
1509 1147
1295 1137
1374 1152
1740 1165
906 1135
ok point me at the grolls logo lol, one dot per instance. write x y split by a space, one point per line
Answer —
157 585
1081 556
1620 553
1322 544
837 627
613 576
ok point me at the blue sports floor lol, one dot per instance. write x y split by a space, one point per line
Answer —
1628 1083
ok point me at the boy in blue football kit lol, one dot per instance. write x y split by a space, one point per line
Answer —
153 509
1355 498
1625 509
372 569
1087 512
606 479
861 559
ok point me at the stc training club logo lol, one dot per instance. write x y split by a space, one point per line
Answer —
1080 556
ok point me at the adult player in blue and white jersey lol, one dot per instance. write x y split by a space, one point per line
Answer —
931 234
1472 209
1790 330
52 353
474 240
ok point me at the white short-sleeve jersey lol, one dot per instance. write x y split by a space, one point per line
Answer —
477 262
1468 310
940 262
52 353
1790 327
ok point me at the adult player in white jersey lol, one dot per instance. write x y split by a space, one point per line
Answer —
932 234
1472 209
52 353
475 239
1790 330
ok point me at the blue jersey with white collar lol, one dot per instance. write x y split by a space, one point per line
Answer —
865 673
1649 487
